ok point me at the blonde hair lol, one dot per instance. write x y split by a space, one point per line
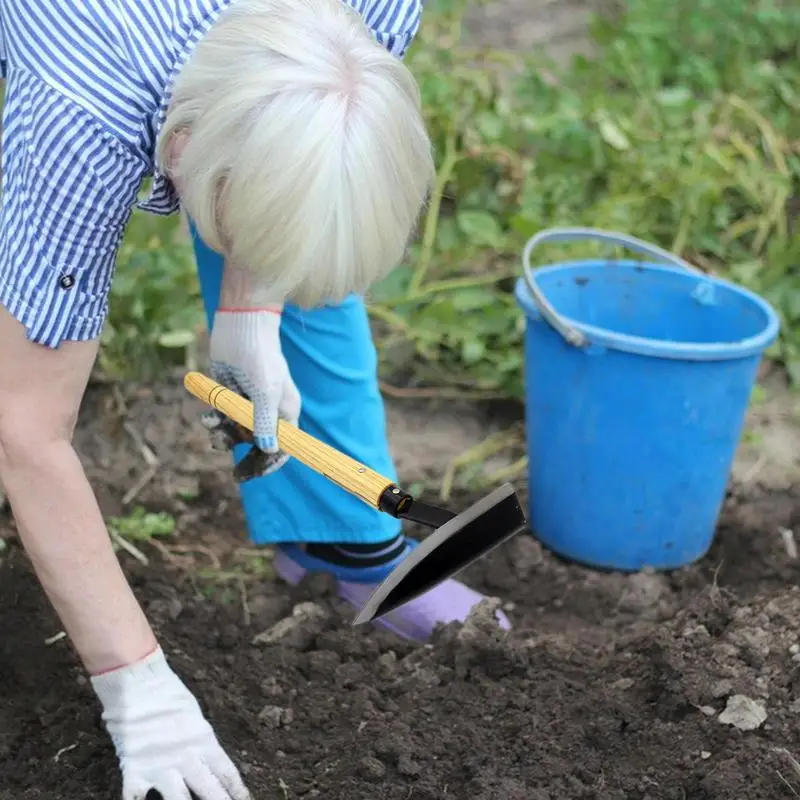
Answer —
307 161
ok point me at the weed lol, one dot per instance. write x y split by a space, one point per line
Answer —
142 525
252 567
759 395
137 527
228 583
155 309
682 128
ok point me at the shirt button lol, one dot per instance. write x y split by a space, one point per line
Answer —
67 281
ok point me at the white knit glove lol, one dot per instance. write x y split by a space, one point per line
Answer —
246 357
163 741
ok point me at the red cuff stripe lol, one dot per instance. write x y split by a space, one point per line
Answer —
122 666
234 310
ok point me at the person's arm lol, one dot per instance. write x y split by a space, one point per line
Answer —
61 225
246 356
42 379
246 353
57 515
245 289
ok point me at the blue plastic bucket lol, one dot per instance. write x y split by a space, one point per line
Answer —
637 379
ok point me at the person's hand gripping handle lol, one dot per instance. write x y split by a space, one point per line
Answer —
246 356
356 478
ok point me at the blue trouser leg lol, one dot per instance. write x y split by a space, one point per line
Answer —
333 361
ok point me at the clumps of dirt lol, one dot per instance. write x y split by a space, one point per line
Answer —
727 651
750 552
313 708
680 686
749 555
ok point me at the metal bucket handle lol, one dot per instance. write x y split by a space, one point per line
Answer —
571 334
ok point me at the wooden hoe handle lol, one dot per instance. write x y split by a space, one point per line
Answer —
337 467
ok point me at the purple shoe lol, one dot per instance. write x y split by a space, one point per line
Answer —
450 601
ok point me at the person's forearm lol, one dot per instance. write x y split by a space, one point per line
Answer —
243 289
63 532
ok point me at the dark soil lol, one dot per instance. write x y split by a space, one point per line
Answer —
609 687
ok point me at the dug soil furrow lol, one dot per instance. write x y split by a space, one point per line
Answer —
609 687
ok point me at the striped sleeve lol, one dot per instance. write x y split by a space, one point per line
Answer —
69 188
394 23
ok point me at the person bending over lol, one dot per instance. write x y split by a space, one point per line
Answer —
291 134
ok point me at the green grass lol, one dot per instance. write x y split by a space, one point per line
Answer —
683 129
139 527
155 308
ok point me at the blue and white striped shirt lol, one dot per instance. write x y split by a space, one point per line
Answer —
87 87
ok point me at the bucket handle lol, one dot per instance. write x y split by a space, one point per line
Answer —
571 334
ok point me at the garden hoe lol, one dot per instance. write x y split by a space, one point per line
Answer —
457 541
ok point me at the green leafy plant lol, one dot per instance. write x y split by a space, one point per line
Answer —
155 309
681 129
142 525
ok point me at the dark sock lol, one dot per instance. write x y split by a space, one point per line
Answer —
359 555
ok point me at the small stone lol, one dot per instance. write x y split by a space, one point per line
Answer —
276 717
743 713
623 684
174 608
298 630
708 711
794 649
171 608
387 662
704 754
371 769
271 716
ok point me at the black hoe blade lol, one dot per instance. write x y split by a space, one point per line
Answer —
464 539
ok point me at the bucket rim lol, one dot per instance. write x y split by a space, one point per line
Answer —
659 348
